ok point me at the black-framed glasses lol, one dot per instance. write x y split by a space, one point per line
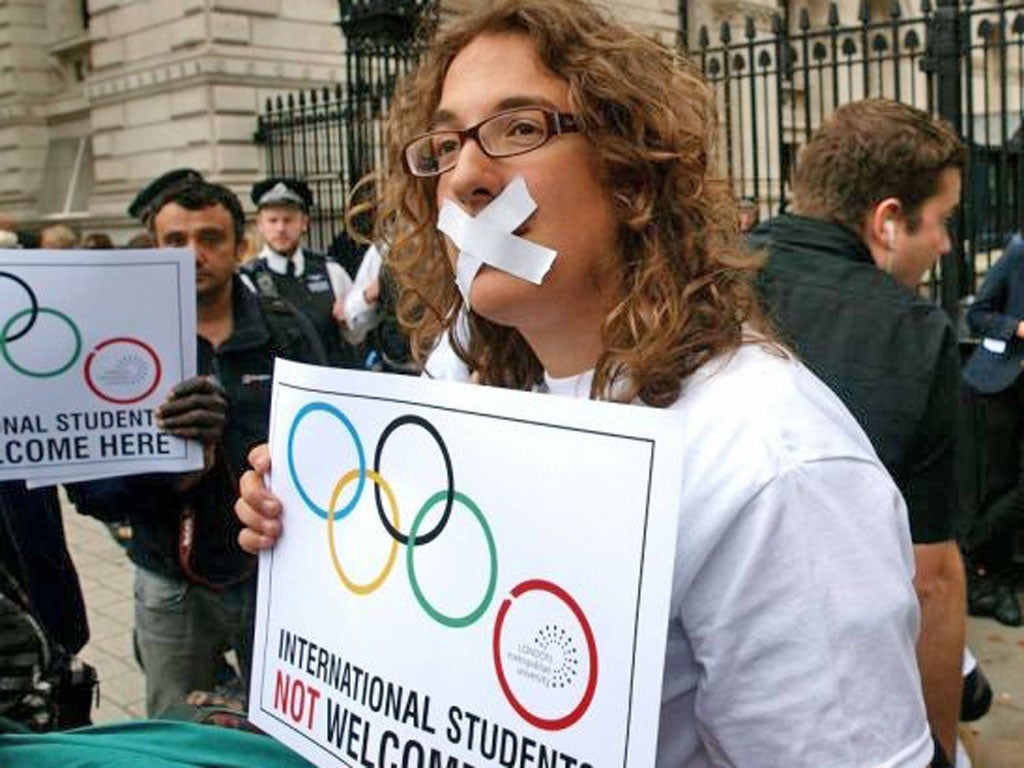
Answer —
508 133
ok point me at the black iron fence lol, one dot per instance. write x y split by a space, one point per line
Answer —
964 63
775 85
332 137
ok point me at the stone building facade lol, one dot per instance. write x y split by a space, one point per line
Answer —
99 96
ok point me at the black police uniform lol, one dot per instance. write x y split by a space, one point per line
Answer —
311 292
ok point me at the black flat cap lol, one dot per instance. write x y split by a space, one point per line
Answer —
278 190
140 207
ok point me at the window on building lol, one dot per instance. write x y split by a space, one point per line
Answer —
67 176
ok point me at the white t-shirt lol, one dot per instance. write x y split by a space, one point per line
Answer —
793 618
443 363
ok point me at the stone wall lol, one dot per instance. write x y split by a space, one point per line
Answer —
152 84
180 83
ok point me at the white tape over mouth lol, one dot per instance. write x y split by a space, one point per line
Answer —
488 239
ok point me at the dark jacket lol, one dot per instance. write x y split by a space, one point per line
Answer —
311 294
995 315
34 551
889 354
153 505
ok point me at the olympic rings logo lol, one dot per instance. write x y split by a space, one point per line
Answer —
121 370
8 335
448 499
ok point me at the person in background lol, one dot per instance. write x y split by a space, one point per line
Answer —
58 237
367 312
8 232
749 214
98 241
38 554
43 685
874 190
194 587
285 268
993 374
253 244
140 240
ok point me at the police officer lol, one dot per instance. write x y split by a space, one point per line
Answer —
305 279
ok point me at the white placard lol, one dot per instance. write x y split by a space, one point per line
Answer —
519 601
90 343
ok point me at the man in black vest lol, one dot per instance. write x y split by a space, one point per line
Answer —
873 193
305 279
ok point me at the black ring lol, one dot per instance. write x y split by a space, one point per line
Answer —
34 309
426 538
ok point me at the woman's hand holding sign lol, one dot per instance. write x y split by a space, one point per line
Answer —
258 509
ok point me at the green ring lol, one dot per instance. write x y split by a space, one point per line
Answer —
455 622
41 374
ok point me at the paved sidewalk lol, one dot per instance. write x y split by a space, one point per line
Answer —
106 576
999 736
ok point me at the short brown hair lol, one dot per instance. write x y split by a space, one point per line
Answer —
871 150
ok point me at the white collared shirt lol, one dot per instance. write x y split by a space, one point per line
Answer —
362 316
278 263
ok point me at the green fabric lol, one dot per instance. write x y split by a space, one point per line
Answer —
148 743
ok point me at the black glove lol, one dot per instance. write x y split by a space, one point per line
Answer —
197 408
976 698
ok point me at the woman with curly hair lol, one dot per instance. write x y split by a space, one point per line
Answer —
793 617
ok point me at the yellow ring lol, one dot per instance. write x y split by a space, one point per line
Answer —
348 477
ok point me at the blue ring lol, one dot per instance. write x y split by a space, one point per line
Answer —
320 511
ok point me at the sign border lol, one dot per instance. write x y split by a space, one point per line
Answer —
267 646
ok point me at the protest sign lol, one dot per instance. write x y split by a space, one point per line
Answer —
90 343
467 577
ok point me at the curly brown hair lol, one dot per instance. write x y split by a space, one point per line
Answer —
683 281
868 151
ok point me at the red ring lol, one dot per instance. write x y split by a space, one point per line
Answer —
546 724
122 340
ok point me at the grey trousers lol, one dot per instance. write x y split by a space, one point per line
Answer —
182 630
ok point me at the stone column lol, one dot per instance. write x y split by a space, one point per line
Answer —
26 80
180 82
